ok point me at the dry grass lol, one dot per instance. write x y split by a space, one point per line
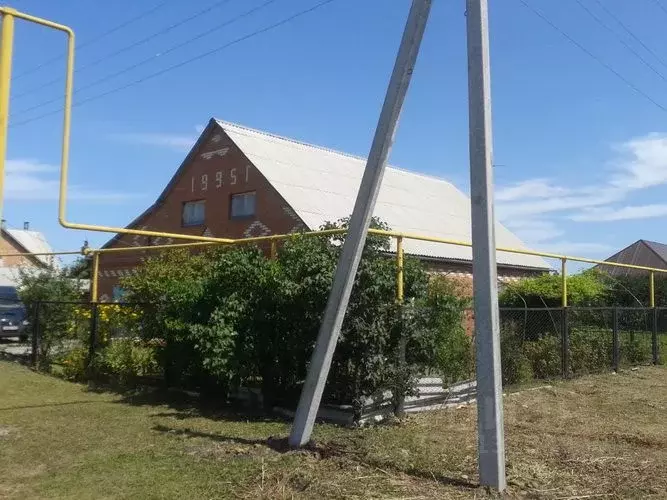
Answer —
602 436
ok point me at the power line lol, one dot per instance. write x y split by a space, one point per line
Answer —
623 42
186 62
593 56
630 32
127 47
659 4
104 79
94 40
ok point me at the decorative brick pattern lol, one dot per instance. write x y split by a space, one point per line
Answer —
218 152
255 229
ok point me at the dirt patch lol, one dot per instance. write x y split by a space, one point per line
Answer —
6 432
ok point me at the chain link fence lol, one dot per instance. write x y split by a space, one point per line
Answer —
544 343
536 343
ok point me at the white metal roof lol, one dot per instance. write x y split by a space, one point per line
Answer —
321 185
33 242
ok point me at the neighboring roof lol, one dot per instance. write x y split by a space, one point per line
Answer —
660 249
321 185
32 242
640 253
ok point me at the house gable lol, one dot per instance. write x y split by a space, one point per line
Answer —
214 171
9 244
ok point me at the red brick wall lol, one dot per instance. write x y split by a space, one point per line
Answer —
8 245
216 170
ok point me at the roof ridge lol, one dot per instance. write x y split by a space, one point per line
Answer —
224 123
653 242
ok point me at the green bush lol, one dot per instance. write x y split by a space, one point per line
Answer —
636 348
127 360
74 364
445 309
590 350
516 366
40 289
588 288
231 316
544 356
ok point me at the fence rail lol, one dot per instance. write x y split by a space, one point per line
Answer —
538 343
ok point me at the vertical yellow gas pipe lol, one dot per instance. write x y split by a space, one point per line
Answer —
6 43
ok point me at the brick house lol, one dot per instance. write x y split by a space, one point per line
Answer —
238 182
21 241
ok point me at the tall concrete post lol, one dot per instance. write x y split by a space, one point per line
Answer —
491 438
320 363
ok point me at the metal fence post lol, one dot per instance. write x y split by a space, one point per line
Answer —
92 345
616 347
399 410
565 344
35 336
654 337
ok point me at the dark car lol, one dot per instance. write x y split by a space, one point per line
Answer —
13 317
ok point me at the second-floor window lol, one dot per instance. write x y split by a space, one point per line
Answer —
194 213
242 205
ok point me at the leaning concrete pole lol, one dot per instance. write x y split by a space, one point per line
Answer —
490 433
348 263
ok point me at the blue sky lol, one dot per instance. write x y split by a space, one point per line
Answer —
581 157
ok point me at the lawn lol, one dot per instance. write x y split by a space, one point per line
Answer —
599 436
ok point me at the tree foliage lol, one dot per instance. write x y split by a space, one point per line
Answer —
231 316
48 296
588 288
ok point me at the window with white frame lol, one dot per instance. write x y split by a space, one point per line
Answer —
242 205
194 213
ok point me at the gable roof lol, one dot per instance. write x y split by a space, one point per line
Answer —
31 242
660 249
321 185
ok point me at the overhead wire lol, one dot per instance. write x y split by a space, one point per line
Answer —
143 62
630 32
593 56
623 42
96 39
126 48
660 5
185 62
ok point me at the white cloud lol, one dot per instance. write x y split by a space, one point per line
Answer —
641 164
625 213
582 199
30 180
25 166
577 248
644 164
181 143
534 231
528 207
532 188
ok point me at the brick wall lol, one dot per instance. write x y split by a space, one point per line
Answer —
215 171
8 245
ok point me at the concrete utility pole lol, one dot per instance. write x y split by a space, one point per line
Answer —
490 431
348 263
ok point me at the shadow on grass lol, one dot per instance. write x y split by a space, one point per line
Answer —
52 405
22 359
322 451
184 405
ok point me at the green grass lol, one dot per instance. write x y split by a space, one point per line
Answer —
599 435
